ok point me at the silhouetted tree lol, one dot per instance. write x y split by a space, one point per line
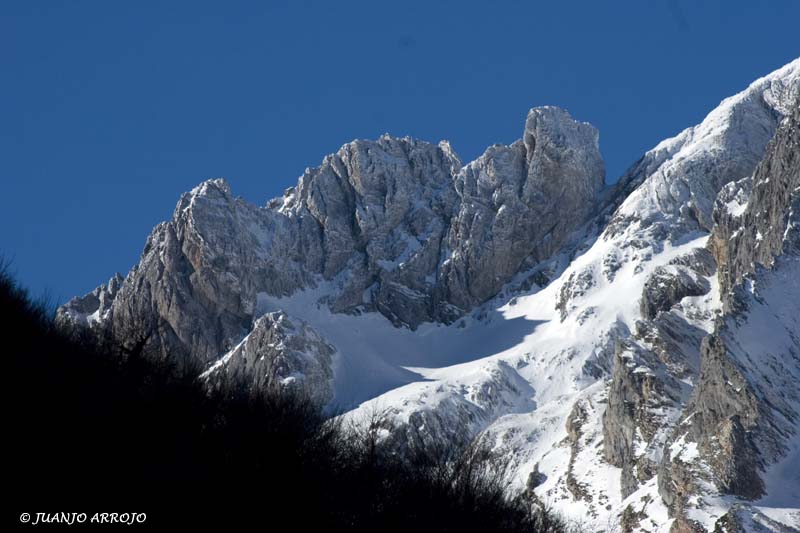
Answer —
95 427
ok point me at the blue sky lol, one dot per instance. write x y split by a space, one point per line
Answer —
109 110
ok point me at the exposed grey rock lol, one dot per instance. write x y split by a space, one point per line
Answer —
193 293
649 371
393 225
667 286
85 311
754 235
698 260
575 422
743 518
634 394
736 416
280 353
382 210
724 410
520 203
578 284
675 343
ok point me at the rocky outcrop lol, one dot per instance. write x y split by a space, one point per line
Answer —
743 518
667 286
724 412
751 215
634 416
193 293
574 425
679 198
450 414
520 203
735 419
279 354
578 284
381 211
85 311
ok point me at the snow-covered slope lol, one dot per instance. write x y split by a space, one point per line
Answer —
743 415
510 298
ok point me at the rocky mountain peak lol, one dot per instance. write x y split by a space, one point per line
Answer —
563 157
393 225
559 137
514 298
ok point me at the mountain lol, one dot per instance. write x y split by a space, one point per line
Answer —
631 349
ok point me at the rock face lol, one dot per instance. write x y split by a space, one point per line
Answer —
631 350
394 226
379 213
724 411
674 192
752 215
520 203
740 417
634 395
667 286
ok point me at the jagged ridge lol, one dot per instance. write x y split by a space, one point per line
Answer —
621 287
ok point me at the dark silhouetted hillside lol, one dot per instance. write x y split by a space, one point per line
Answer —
100 430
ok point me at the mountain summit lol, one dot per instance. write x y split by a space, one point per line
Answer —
633 349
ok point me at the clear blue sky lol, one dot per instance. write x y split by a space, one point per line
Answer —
109 110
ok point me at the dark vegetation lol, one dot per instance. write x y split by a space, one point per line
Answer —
96 429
